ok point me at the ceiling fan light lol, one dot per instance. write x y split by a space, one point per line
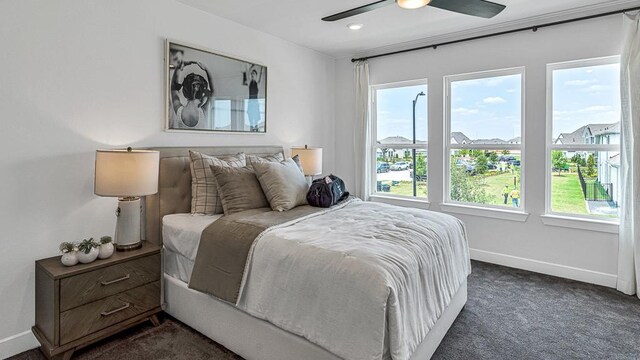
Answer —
412 4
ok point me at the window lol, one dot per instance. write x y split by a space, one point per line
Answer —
399 139
483 129
583 137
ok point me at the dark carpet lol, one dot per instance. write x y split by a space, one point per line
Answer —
510 314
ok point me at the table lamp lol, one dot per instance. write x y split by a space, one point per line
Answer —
310 159
127 174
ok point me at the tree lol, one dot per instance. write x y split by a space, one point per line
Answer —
579 160
493 156
481 164
463 188
591 172
506 152
421 167
558 160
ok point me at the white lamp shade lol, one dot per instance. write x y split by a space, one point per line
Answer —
310 159
412 4
124 173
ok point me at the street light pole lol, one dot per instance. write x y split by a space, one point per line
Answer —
413 151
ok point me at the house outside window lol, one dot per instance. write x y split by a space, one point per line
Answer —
399 140
583 152
483 139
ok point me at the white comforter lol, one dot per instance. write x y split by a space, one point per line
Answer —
364 280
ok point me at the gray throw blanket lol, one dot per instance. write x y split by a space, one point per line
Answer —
224 248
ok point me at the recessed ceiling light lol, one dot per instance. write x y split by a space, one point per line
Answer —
355 26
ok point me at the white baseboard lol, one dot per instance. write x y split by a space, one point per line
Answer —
18 343
567 272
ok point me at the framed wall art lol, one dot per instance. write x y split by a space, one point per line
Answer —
206 91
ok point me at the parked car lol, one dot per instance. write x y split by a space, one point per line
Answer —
470 168
506 158
418 177
382 167
399 166
514 162
492 166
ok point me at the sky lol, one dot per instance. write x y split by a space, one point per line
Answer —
491 107
587 95
487 108
395 112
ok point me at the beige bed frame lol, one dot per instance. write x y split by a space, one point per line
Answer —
245 335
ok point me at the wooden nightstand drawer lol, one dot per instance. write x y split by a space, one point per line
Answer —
79 305
92 317
90 286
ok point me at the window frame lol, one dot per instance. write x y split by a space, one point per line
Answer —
549 140
447 201
374 138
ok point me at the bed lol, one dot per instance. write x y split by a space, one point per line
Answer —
243 327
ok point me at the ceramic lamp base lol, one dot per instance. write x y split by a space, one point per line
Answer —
128 226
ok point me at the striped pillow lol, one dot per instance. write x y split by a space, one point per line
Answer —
204 188
277 157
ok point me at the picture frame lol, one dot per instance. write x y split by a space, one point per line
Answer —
206 91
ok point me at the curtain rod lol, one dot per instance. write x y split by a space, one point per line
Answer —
534 28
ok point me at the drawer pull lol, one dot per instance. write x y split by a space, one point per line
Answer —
115 281
123 307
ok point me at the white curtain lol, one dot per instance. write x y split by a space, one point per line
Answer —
362 130
629 246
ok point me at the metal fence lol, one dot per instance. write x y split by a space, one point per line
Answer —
595 190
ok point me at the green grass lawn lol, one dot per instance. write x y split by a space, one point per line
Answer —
493 185
566 194
406 188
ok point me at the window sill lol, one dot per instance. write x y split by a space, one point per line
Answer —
581 223
400 201
502 214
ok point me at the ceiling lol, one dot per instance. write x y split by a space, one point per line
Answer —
390 27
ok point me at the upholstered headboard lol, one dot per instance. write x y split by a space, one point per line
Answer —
174 183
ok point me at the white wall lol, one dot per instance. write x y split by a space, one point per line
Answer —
580 254
78 75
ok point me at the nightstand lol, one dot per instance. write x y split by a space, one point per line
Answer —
81 304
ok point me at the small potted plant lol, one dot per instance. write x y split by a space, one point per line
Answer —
106 247
87 251
69 254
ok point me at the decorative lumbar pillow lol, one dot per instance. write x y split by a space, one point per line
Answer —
239 189
282 183
204 190
277 157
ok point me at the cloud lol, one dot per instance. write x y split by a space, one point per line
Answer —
465 111
511 91
596 88
587 110
494 100
495 81
579 82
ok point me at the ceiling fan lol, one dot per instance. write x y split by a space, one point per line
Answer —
480 8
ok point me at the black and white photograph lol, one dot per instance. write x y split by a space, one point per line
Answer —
211 92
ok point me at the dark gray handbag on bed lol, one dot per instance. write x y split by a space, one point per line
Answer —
326 191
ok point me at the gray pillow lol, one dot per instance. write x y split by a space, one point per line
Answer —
282 183
277 157
238 188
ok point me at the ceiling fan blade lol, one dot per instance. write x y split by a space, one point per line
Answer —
480 8
358 10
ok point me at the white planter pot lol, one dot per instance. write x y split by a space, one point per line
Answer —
69 259
90 257
106 250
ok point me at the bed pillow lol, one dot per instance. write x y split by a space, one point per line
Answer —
277 157
239 189
204 190
283 184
